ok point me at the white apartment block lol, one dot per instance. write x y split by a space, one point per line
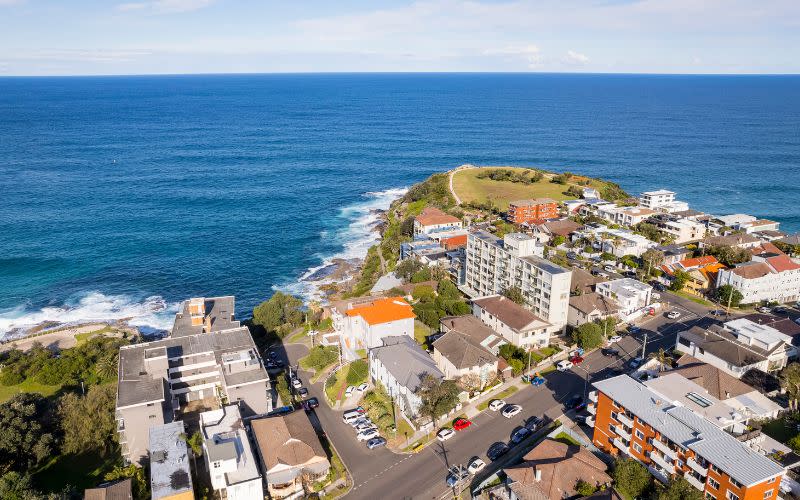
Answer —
618 242
363 323
775 279
662 200
494 265
631 295
684 230
625 216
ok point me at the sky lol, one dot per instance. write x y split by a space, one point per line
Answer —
91 37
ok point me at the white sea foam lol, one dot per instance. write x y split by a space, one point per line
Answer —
150 314
354 239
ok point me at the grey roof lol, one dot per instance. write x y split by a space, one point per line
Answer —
723 344
792 239
583 280
169 461
590 302
225 450
685 428
673 250
474 328
463 351
545 265
219 309
406 361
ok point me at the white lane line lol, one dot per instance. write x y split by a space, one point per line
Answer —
359 485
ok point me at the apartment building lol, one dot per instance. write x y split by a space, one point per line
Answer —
526 211
663 201
683 230
513 322
362 323
770 276
155 378
432 221
633 420
625 216
494 265
629 294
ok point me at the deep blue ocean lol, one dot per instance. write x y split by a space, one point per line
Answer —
120 196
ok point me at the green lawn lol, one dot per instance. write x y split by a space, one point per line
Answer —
694 298
421 332
80 471
566 439
341 380
501 395
29 385
81 338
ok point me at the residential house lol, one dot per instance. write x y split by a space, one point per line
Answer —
551 471
737 346
526 211
770 276
702 273
229 458
289 450
683 230
193 363
513 322
662 200
783 324
625 216
591 307
362 323
548 230
633 420
474 328
494 265
400 365
618 242
629 294
432 220
738 240
583 281
674 253
114 490
760 225
589 193
457 355
170 476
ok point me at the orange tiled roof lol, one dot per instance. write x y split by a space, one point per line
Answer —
698 261
432 216
782 263
383 310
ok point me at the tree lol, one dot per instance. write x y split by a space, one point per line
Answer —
728 255
24 439
680 489
194 442
357 373
629 261
584 489
663 358
605 256
406 269
17 486
438 397
790 379
652 259
794 443
470 382
423 293
559 240
280 312
447 290
421 275
631 477
588 335
728 295
514 294
608 325
88 421
679 280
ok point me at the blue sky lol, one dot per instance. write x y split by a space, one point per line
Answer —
45 37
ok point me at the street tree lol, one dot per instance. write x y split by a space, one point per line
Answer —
790 379
680 489
438 397
662 357
588 335
727 295
631 477
652 259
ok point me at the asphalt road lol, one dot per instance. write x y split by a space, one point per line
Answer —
381 473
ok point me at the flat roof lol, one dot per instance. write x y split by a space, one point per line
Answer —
226 439
169 461
220 310
658 192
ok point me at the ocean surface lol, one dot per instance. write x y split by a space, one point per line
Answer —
120 196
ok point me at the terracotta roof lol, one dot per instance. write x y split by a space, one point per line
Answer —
782 263
120 490
528 203
590 302
718 383
698 261
288 440
509 312
752 270
561 466
463 351
563 227
383 310
766 248
432 216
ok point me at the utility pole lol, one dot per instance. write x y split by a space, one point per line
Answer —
644 345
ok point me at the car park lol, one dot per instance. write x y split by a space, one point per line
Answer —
673 315
614 338
296 383
367 435
365 426
350 417
609 352
349 391
376 443
461 424
456 475
520 434
445 434
496 451
564 365
362 387
475 465
496 404
511 411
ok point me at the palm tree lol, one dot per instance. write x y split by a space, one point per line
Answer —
107 366
662 357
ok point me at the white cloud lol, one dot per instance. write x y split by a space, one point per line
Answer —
79 55
576 58
165 6
530 53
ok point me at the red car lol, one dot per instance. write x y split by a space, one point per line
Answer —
576 360
461 424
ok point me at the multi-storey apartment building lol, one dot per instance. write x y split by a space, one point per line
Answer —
633 420
629 294
770 276
494 265
525 211
206 356
656 199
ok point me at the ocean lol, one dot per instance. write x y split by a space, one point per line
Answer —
122 196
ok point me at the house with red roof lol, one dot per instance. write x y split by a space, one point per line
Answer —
363 323
771 276
432 220
702 273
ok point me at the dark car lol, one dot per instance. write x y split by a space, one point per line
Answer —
456 475
572 255
310 404
610 352
575 403
534 423
496 451
634 329
303 392
520 434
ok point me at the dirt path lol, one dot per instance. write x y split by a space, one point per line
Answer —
452 172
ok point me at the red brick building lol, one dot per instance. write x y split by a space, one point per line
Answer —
523 211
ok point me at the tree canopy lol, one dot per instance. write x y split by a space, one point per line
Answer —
438 396
24 440
631 477
679 280
588 335
88 421
728 295
279 314
514 294
680 489
728 255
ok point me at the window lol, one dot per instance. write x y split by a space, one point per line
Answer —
716 469
151 417
611 427
771 480
217 465
731 495
735 483
768 494
713 483
710 496
639 434
637 447
614 414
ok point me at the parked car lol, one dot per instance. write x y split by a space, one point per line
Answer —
496 451
780 310
367 434
365 426
349 391
635 363
574 403
360 421
461 424
572 255
362 387
511 410
717 312
537 381
576 360
496 404
272 354
303 392
634 329
296 383
609 268
763 309
456 475
614 338
376 443
609 352
534 423
564 365
655 296
475 465
445 434
520 434
360 409
673 315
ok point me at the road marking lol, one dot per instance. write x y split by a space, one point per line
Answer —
359 485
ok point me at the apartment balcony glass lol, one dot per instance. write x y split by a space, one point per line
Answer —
621 432
666 450
620 444
700 485
625 420
695 466
593 396
662 462
591 409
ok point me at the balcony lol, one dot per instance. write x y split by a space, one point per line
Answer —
590 421
700 485
666 450
658 474
591 409
662 462
624 420
621 432
593 396
703 471
620 444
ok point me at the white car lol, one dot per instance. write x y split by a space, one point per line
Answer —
655 296
673 315
496 404
349 391
476 465
367 435
763 309
445 434
296 383
362 387
615 338
511 410
564 365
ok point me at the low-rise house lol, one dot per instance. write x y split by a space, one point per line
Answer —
702 272
432 220
526 211
362 323
673 253
590 307
114 490
400 365
590 193
737 346
625 216
474 328
170 476
583 281
634 420
547 230
289 450
738 240
629 294
760 225
228 455
513 322
770 276
457 355
618 242
551 471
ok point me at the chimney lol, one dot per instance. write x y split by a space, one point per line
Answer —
537 475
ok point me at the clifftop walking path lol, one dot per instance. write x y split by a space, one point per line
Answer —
450 176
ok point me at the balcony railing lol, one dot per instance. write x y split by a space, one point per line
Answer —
621 432
593 396
590 421
700 485
696 467
666 450
624 420
591 409
620 444
662 462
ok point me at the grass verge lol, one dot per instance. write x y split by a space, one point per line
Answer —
566 439
694 298
501 395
